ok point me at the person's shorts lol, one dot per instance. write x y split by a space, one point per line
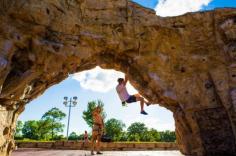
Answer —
97 128
131 99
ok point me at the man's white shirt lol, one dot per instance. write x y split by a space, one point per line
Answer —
122 92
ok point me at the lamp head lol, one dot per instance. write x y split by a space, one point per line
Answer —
65 98
74 103
75 98
65 103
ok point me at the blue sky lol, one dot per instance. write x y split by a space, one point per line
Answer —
147 3
99 84
178 7
213 4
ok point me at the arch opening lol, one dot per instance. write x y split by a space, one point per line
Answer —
185 61
158 118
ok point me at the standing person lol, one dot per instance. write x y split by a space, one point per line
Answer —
86 137
86 140
126 98
98 126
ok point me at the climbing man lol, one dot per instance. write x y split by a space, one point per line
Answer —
98 129
126 98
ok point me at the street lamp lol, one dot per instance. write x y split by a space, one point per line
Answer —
69 103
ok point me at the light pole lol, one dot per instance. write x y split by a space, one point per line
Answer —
69 103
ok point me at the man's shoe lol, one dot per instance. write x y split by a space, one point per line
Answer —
92 153
148 104
99 153
144 113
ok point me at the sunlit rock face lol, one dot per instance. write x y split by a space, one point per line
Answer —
186 64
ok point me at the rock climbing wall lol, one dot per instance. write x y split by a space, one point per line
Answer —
186 64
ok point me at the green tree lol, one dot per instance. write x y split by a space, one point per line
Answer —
19 127
124 137
134 137
147 137
81 137
155 134
73 136
137 128
87 114
54 116
36 130
44 129
114 128
168 136
136 131
59 137
30 130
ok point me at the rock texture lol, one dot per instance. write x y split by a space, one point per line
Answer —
186 64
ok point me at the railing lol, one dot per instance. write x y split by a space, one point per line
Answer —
117 146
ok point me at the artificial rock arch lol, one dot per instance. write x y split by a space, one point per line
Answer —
187 62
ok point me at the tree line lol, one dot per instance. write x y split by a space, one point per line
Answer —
49 127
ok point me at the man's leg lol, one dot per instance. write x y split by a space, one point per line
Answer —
92 146
141 99
99 144
93 141
138 96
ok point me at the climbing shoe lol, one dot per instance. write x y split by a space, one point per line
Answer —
144 113
148 104
124 104
99 153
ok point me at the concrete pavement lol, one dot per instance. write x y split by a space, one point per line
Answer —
43 152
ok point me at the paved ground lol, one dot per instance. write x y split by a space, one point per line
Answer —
41 152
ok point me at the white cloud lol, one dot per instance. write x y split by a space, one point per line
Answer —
179 7
100 80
